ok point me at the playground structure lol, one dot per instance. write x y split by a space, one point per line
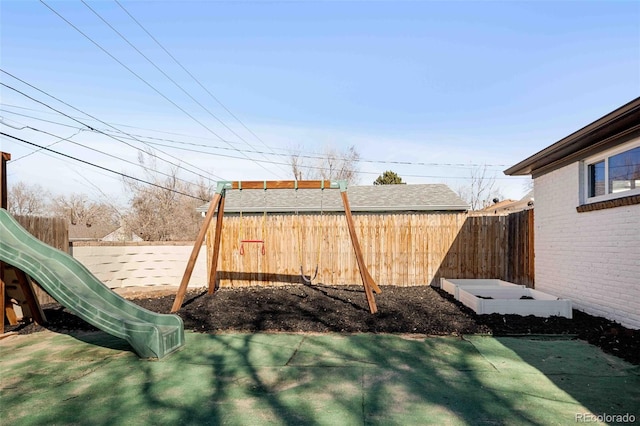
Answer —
25 260
217 204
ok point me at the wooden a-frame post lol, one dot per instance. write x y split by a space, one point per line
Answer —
23 280
217 203
3 203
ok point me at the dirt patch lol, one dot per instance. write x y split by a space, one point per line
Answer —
322 309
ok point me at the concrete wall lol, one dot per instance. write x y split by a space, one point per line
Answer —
592 258
141 264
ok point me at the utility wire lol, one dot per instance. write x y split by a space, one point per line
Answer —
100 167
10 125
108 175
141 78
103 122
191 75
315 156
319 167
13 161
98 151
167 76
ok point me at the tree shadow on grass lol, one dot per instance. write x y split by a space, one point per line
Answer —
277 379
600 382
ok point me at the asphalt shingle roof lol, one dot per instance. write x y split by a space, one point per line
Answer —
374 198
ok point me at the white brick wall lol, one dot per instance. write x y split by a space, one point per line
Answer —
142 265
592 258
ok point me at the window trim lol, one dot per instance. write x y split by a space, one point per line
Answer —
604 156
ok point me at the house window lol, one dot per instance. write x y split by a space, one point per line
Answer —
596 179
624 171
613 174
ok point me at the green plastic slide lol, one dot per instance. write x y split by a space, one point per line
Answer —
150 334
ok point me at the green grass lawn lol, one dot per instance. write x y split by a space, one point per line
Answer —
247 379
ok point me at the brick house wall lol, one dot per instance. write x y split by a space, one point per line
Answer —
593 257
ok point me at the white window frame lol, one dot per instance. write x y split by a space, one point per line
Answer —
600 157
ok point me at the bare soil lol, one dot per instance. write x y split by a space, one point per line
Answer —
322 309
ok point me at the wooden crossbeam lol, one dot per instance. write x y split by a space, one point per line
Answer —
285 184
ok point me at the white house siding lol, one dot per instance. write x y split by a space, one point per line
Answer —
592 258
141 264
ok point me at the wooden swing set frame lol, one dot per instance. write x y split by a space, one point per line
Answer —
217 204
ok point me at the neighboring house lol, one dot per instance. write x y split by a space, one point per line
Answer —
510 206
370 199
587 216
100 233
120 234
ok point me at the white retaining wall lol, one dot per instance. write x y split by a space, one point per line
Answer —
592 258
150 264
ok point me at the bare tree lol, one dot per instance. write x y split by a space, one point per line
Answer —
80 210
481 190
166 212
332 165
26 199
297 165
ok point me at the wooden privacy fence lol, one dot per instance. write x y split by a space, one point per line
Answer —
402 249
51 230
493 247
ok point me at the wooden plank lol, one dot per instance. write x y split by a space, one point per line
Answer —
3 179
531 251
367 281
216 247
9 334
3 203
2 295
281 184
177 303
30 296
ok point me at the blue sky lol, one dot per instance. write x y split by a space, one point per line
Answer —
417 81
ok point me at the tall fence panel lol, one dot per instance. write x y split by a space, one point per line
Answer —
520 268
51 230
479 250
402 249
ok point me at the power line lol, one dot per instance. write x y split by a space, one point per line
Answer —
191 75
101 121
166 75
141 78
98 151
315 156
64 160
319 167
100 167
48 146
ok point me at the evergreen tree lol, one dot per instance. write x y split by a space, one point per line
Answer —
388 178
